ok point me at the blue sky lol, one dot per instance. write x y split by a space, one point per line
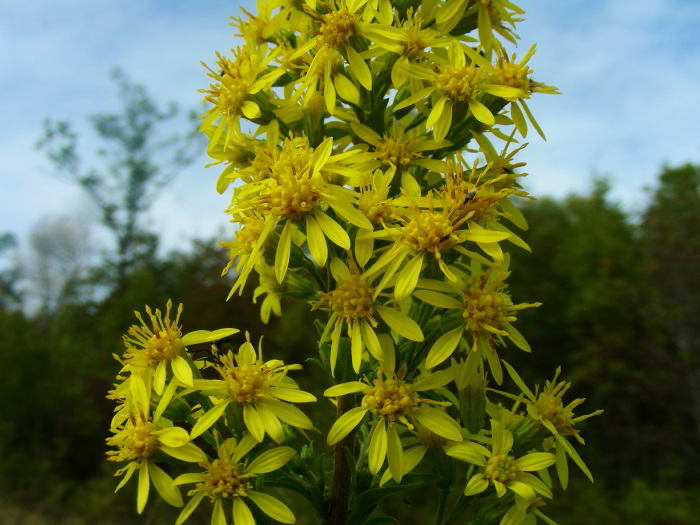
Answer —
629 72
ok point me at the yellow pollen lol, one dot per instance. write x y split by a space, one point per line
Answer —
164 345
459 84
501 468
551 408
351 299
395 151
511 74
373 207
283 163
247 237
337 27
484 307
223 480
244 383
390 399
293 198
413 47
235 79
429 231
133 443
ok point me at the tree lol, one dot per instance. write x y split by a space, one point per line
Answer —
671 227
10 273
137 155
59 250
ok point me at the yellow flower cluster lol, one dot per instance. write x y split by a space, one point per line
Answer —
369 148
152 419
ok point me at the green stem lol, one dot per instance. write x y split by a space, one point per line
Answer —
340 490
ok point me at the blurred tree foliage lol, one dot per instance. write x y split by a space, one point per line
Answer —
137 154
620 303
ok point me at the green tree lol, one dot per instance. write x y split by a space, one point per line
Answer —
137 156
671 239
10 296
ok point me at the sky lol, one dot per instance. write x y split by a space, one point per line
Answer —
628 71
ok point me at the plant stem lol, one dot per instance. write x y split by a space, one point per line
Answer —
340 490
441 507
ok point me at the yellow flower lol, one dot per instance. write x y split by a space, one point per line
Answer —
289 196
548 408
149 349
412 45
487 313
526 511
457 82
235 84
393 401
508 72
353 303
501 469
230 480
272 303
139 437
428 228
399 149
492 15
333 44
261 388
318 76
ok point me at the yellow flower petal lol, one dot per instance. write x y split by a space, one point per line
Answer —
345 424
438 299
206 336
164 486
356 346
270 460
339 269
401 323
377 447
272 507
250 109
181 369
188 452
293 395
346 89
480 112
466 452
369 337
283 250
394 453
159 377
438 422
252 421
359 68
442 126
144 485
476 485
192 504
333 230
535 461
208 419
288 413
342 389
316 241
408 278
366 133
444 347
173 436
217 516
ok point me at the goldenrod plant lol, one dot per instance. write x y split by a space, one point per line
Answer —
369 148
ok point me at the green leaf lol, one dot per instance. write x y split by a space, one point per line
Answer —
365 503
